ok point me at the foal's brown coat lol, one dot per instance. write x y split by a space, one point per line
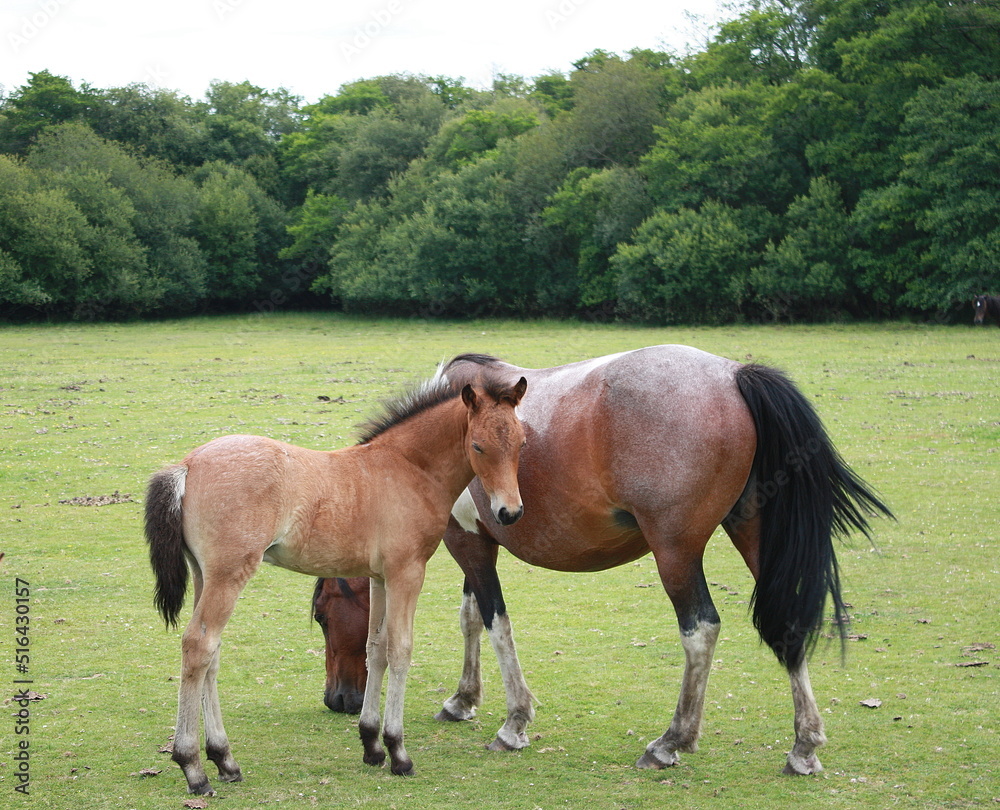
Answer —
376 509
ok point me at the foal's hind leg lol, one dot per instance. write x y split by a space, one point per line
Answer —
199 667
681 572
217 746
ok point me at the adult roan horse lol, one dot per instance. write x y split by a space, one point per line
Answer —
986 306
376 509
651 450
340 607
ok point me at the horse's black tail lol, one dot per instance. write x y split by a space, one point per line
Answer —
165 536
805 494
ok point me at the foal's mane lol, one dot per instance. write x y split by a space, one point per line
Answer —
432 392
410 403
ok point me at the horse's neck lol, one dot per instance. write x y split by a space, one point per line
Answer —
434 441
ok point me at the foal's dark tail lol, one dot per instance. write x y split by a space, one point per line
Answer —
165 536
806 494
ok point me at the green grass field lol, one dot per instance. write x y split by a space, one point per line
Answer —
89 411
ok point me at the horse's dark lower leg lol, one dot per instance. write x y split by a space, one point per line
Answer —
462 705
699 628
477 558
809 734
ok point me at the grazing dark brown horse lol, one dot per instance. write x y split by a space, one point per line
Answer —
376 509
986 306
340 606
651 450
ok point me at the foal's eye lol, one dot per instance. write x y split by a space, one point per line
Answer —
477 448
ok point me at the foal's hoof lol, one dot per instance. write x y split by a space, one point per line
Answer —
201 789
651 762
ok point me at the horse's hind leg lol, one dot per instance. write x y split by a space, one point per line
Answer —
809 734
743 528
682 576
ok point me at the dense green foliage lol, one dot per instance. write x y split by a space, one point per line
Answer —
817 159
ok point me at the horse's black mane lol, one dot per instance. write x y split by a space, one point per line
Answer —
478 359
425 396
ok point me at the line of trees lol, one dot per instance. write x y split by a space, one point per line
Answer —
817 159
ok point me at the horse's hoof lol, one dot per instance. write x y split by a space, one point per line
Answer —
376 760
403 768
446 716
802 766
509 742
231 777
648 761
201 789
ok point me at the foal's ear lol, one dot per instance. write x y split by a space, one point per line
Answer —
469 398
517 392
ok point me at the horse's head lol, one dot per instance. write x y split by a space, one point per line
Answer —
979 306
341 609
494 443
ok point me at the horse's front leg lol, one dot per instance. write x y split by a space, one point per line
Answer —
370 722
809 734
462 705
699 626
478 559
512 735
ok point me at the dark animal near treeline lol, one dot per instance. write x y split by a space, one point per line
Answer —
986 306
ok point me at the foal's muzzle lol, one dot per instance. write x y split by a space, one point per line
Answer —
505 516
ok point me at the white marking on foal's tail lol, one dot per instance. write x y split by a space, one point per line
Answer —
179 474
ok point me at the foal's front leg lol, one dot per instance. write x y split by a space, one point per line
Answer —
370 722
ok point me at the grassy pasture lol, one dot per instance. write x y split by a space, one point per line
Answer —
92 410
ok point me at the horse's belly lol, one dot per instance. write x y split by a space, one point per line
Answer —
576 549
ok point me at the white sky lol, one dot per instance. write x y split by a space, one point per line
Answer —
312 47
